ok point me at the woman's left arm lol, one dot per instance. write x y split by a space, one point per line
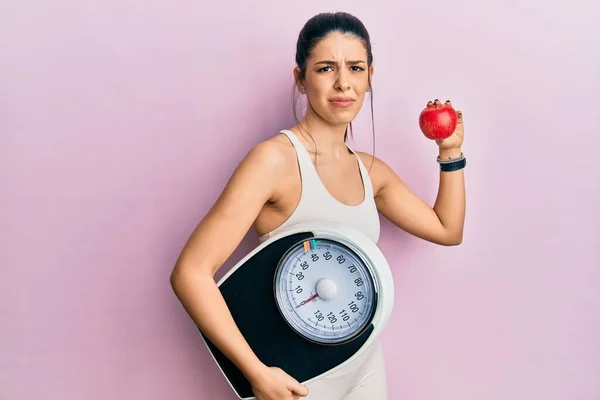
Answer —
441 224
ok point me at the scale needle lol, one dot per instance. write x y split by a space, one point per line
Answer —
311 298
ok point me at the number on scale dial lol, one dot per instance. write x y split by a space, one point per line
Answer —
325 291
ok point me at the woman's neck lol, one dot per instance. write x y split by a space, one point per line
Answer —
322 138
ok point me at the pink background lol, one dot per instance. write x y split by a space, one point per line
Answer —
121 121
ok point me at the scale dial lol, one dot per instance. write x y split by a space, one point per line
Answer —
325 291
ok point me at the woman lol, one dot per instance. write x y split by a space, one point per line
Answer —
308 173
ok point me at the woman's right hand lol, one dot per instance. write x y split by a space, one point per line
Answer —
274 384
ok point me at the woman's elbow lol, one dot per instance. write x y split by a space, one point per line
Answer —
451 239
454 239
179 274
456 242
175 277
183 273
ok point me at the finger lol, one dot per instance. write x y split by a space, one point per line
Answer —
459 116
448 103
437 103
298 388
429 104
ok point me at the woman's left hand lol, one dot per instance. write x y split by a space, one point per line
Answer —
455 141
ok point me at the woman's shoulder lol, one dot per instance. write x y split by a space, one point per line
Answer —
273 155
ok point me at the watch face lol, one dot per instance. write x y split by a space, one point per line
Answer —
325 290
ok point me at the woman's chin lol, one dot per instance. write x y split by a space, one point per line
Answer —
338 117
342 119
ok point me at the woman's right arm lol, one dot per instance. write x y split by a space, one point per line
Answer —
252 184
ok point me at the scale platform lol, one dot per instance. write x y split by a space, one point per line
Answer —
248 290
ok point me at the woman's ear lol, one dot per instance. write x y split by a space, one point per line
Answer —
371 72
299 82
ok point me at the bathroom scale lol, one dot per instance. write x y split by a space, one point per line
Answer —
307 300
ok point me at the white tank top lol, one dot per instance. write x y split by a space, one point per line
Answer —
317 204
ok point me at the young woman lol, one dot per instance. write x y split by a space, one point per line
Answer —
309 173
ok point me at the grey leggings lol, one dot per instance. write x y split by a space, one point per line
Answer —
363 379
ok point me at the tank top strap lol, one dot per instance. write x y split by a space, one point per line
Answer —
364 172
307 170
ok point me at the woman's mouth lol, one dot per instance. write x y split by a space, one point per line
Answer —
342 102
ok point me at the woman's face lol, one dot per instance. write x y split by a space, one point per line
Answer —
337 78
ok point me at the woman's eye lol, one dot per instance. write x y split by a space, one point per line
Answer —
354 68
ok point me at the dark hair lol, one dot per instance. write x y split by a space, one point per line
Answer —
315 30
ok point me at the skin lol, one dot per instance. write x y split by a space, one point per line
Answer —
265 188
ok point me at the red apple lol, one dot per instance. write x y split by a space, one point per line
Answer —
437 123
